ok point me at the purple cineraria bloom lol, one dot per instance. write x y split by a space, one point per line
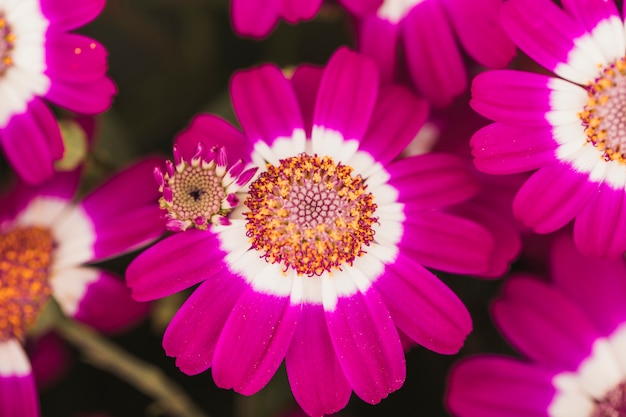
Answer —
197 188
39 59
572 332
257 18
427 32
322 263
46 242
569 128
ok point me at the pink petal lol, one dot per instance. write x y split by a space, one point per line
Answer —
396 120
347 95
255 18
174 264
378 39
433 57
18 395
543 324
192 335
254 342
75 58
95 309
295 10
552 197
83 97
447 242
317 381
212 131
265 88
492 386
432 180
361 7
423 307
367 345
306 82
478 27
70 14
32 141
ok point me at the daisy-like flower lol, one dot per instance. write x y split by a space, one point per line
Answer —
257 18
570 128
323 261
39 60
426 32
46 240
572 332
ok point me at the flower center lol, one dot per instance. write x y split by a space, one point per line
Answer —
310 214
604 115
25 258
200 191
613 404
7 41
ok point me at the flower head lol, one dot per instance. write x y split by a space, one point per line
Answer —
322 262
572 334
199 191
46 240
570 128
426 32
40 59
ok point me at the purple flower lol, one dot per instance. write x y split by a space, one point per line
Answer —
46 242
40 59
572 332
323 261
427 31
571 129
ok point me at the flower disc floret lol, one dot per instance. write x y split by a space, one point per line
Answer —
7 41
310 214
25 259
604 115
613 404
200 191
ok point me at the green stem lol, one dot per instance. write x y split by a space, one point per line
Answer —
147 378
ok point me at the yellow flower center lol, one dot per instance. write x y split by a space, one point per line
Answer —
310 214
604 115
25 258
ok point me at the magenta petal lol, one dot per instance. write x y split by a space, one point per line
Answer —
106 291
505 149
174 264
552 197
50 359
212 131
254 18
432 180
595 227
295 10
433 57
447 242
265 88
124 211
542 30
32 141
596 285
477 24
591 12
18 396
193 333
423 307
492 386
254 341
306 82
510 96
378 39
367 345
70 14
397 119
317 381
347 94
83 97
543 324
361 7
75 58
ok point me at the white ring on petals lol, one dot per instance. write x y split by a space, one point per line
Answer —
13 359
